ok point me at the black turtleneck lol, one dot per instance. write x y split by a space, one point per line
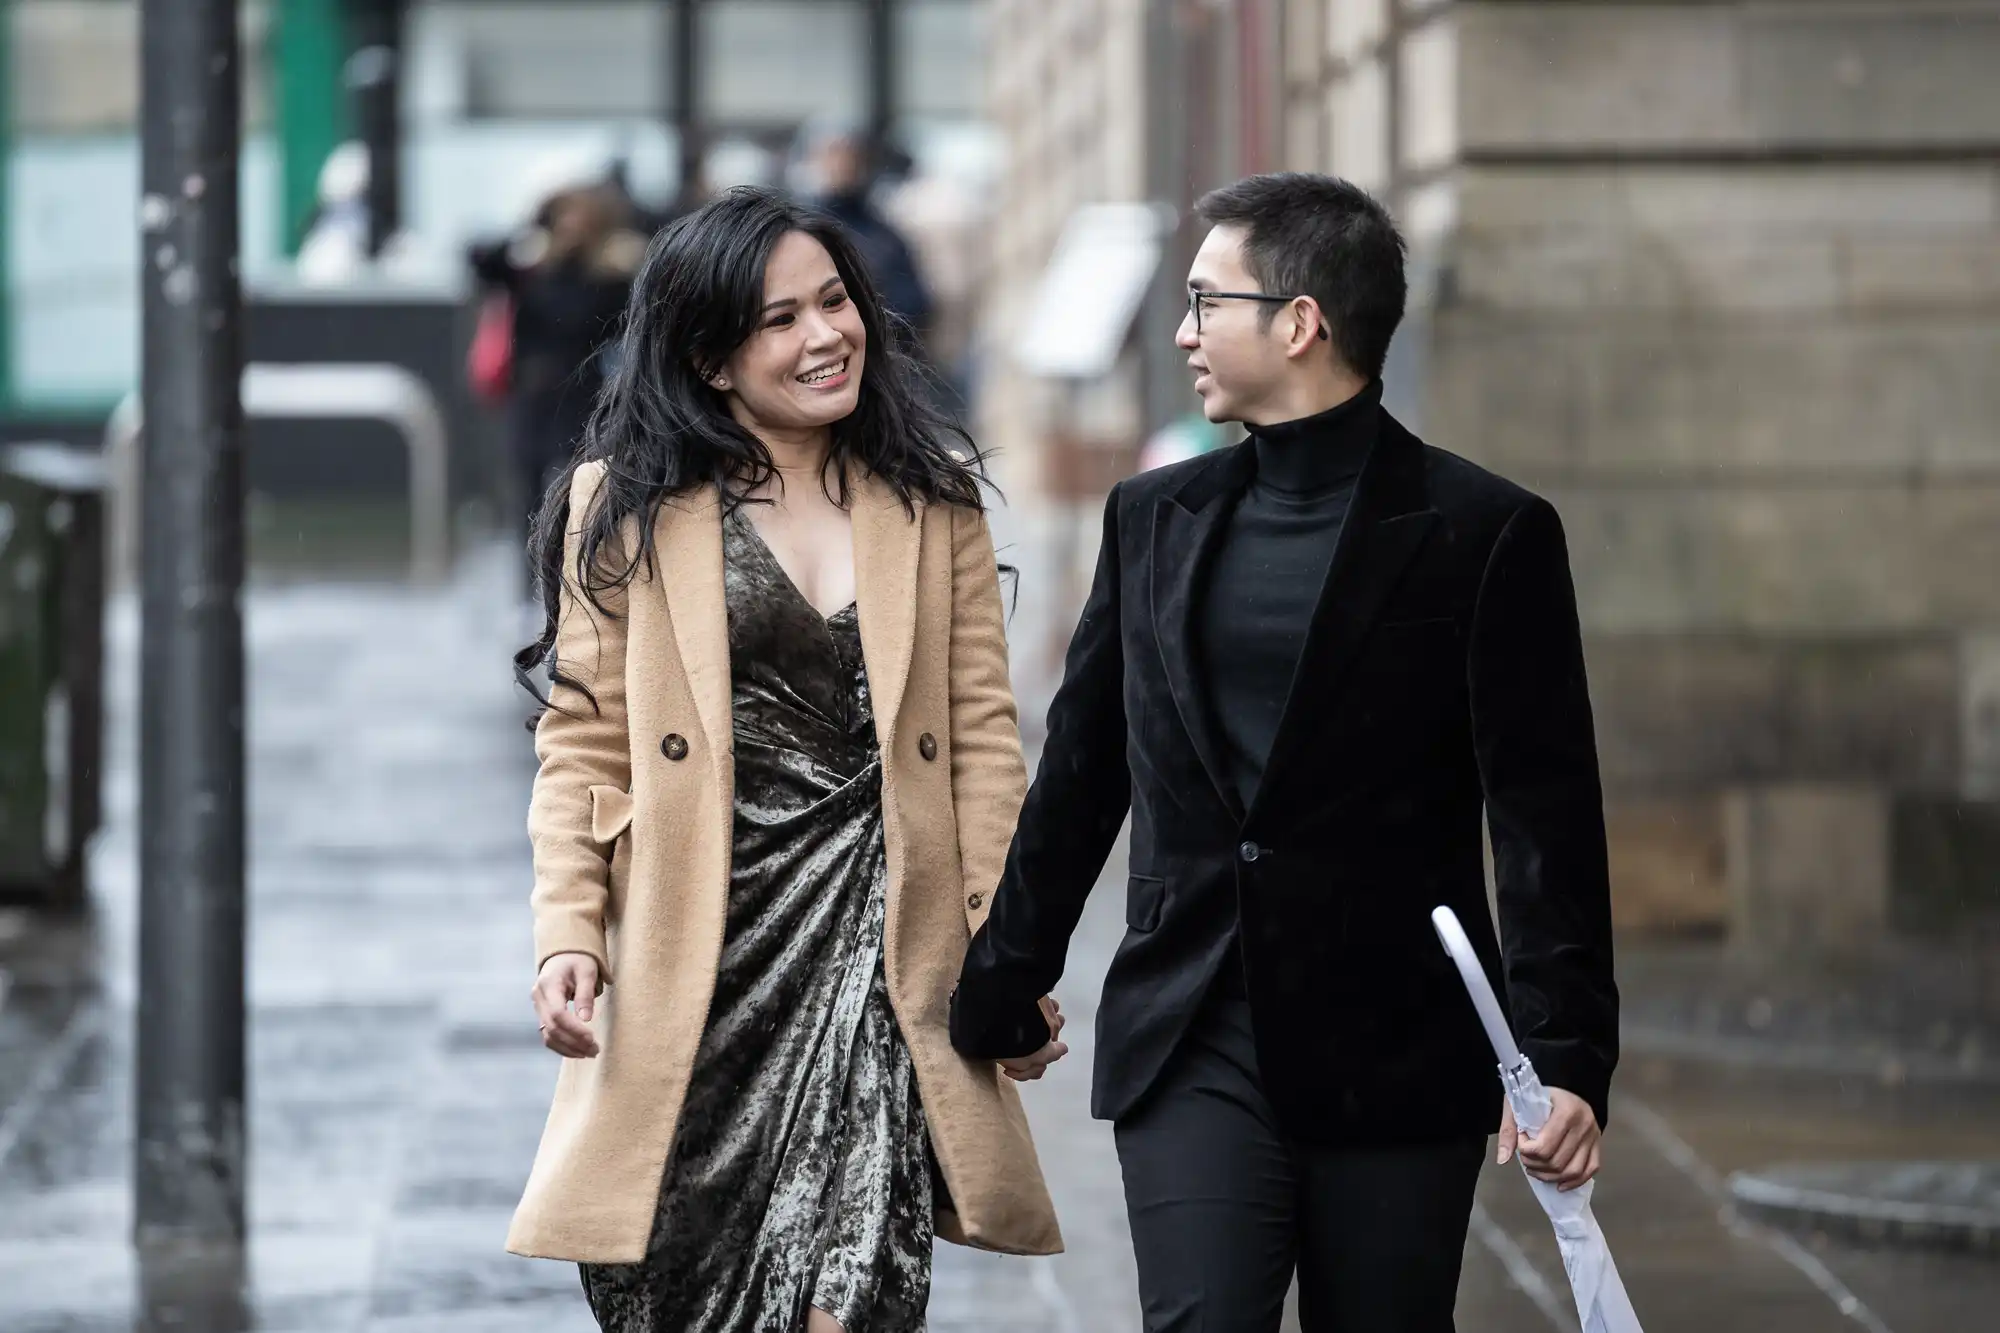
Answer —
1266 580
1267 574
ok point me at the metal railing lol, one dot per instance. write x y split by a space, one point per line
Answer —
363 392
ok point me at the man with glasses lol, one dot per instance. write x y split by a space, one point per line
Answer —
1309 664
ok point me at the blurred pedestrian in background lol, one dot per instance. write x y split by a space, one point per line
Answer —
564 278
835 172
645 218
773 625
334 251
335 247
942 218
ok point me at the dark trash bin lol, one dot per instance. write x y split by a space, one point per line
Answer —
51 670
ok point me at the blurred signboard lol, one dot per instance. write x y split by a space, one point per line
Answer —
1092 288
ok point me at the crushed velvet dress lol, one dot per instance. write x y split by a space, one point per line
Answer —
801 1173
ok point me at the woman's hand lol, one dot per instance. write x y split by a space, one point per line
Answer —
1031 1067
567 977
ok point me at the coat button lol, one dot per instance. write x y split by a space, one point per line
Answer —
927 746
674 747
975 900
1249 851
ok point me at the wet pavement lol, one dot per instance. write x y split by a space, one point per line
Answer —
398 1086
1946 1205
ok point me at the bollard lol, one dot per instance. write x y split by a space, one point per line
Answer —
189 1149
51 670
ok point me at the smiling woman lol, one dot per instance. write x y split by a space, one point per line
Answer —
815 322
779 720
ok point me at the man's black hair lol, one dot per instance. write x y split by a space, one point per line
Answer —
1323 237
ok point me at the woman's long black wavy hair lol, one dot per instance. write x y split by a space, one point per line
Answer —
662 430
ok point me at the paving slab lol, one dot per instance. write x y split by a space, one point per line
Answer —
1941 1205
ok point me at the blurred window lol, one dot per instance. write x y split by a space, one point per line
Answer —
944 46
69 261
783 61
74 66
479 60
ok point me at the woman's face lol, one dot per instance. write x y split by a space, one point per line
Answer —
801 370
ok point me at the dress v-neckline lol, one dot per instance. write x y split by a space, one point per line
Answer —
826 617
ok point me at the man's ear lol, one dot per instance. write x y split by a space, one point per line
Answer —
1308 326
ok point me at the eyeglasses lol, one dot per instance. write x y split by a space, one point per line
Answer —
1197 295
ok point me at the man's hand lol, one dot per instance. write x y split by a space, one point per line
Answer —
567 977
1568 1151
1031 1067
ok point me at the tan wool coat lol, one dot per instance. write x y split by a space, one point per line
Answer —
631 823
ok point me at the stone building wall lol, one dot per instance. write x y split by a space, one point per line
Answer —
1723 281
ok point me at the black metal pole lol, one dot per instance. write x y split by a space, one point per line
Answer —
192 1132
882 74
373 81
684 94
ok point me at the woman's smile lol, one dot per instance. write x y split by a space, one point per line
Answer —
826 375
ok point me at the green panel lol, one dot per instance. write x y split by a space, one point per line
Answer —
311 104
6 215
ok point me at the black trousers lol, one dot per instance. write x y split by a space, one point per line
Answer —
1224 1207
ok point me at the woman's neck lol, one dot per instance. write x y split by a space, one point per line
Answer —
798 457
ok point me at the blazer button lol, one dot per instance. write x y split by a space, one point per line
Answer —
974 901
674 747
1249 851
927 746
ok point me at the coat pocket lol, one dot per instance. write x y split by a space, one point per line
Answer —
1144 896
611 823
610 813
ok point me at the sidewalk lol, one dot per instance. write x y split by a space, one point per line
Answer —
397 1082
395 1093
398 1086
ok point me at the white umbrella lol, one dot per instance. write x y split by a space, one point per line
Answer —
1601 1303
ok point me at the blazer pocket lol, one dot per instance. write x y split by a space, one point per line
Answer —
1144 896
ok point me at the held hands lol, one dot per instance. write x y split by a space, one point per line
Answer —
1567 1152
567 977
1030 1067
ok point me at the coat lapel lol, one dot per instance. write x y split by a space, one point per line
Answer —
688 539
1386 523
888 543
1188 525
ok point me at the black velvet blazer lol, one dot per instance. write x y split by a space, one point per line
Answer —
1442 675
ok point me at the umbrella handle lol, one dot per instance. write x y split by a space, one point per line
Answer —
1525 1092
1456 943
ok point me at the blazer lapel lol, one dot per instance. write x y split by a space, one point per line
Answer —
688 539
1188 525
1387 522
888 543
